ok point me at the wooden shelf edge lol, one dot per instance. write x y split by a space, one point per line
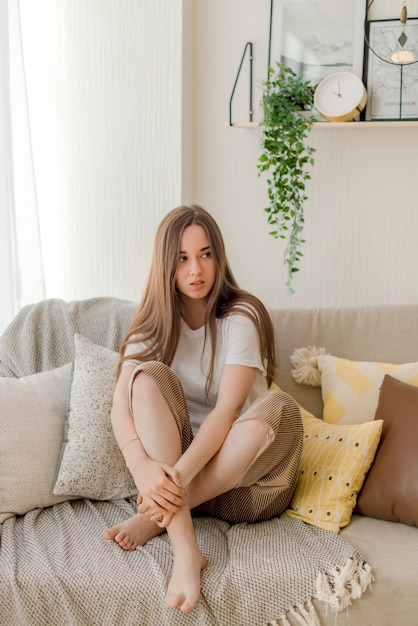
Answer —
324 124
364 124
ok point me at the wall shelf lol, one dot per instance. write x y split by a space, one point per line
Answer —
361 124
364 124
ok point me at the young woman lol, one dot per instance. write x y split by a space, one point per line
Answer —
192 414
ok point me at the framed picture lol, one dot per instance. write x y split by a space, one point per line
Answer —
392 87
317 37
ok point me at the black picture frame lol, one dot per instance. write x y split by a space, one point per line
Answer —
392 88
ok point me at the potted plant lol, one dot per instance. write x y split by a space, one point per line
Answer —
286 102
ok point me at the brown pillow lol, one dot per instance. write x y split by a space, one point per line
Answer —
390 491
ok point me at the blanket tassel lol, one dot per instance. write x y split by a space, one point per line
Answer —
305 615
338 588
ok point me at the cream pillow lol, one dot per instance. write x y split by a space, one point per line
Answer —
350 389
333 467
91 464
32 419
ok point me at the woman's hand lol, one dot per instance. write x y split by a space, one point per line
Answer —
160 494
161 519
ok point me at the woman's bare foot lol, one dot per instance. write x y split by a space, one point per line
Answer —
134 532
184 587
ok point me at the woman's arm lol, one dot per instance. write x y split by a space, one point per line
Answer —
234 387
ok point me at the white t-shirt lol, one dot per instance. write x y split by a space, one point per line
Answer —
237 344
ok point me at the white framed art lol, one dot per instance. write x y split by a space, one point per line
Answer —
317 37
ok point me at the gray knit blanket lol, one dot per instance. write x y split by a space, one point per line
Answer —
56 569
41 336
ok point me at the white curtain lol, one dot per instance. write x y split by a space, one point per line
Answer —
21 259
96 134
6 240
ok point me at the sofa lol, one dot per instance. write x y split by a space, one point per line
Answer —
354 373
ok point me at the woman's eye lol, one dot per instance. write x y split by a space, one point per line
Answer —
182 259
206 255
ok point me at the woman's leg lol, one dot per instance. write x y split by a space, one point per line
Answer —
184 587
159 433
160 436
268 440
264 487
244 443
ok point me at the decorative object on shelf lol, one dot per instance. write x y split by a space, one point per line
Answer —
317 37
340 97
286 102
391 69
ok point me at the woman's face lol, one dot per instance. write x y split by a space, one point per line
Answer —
196 268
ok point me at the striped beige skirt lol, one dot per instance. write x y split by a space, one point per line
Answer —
269 483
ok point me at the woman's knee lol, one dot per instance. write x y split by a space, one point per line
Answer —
149 377
155 382
279 399
274 407
153 370
253 430
143 386
251 437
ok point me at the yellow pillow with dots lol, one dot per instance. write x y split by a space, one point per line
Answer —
335 461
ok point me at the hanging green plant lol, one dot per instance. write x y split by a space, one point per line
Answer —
286 102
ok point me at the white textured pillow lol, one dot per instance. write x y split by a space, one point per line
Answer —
91 464
32 419
350 389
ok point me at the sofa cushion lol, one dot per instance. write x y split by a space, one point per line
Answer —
390 491
32 419
91 464
334 463
350 389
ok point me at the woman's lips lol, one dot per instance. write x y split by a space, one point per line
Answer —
197 284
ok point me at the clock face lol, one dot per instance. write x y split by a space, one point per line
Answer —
340 96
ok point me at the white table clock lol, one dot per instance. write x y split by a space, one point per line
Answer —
340 97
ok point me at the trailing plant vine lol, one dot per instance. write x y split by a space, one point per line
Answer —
288 158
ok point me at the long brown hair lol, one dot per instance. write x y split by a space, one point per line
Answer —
158 317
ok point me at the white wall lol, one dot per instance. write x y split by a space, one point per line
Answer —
361 217
138 125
